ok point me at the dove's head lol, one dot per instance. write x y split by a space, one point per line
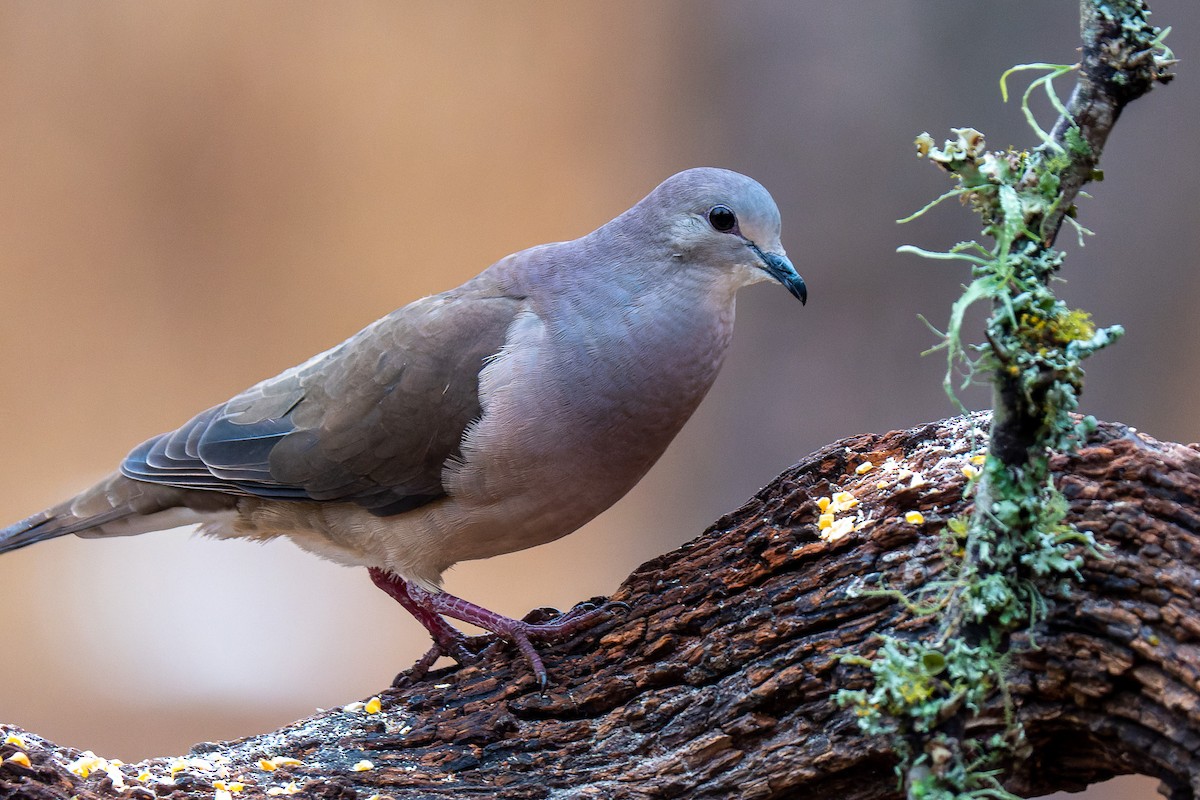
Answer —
718 219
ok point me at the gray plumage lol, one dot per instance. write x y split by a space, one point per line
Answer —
499 415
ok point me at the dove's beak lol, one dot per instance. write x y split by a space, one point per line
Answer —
778 267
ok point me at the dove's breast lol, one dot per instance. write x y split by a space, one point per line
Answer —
563 437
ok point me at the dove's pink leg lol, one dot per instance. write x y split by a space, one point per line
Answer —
429 608
399 590
447 640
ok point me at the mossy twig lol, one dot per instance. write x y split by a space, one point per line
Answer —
1015 550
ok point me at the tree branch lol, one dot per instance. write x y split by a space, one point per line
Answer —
718 681
1118 66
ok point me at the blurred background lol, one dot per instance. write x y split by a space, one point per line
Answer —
196 196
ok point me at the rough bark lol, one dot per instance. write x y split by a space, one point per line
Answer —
718 680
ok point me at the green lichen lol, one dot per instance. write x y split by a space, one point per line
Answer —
1016 553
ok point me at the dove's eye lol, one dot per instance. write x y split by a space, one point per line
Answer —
722 219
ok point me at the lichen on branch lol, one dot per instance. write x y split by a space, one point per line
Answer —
1014 554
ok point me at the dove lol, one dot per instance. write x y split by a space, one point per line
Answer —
500 415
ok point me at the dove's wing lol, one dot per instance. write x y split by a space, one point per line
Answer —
372 421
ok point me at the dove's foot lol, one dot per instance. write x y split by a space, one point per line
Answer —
430 608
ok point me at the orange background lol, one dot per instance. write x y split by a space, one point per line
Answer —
196 196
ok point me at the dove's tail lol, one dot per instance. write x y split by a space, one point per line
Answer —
29 530
117 506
